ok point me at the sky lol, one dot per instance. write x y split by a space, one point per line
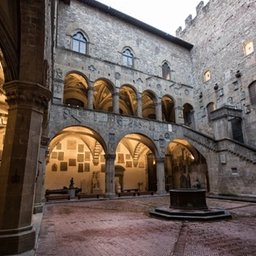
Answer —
166 15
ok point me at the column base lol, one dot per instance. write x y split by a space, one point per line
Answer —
17 241
110 195
161 192
38 208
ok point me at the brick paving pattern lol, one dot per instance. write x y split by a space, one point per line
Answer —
124 227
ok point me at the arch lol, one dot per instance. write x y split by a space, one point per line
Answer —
149 99
188 114
168 109
103 95
132 153
166 70
210 107
128 100
79 42
76 152
75 90
184 165
252 92
128 57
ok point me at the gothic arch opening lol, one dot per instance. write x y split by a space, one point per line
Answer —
184 166
75 90
148 105
127 101
75 152
102 93
188 114
168 111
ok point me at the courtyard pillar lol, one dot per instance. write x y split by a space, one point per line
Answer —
90 96
116 101
160 176
139 106
110 176
179 115
27 102
39 191
158 111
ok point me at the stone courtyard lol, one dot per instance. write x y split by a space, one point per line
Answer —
124 227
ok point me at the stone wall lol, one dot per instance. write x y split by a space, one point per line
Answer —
219 32
108 36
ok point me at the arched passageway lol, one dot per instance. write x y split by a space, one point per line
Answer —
185 166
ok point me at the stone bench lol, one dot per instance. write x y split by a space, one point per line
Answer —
57 197
126 194
142 193
84 195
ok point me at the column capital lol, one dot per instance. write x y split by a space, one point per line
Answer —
27 94
110 156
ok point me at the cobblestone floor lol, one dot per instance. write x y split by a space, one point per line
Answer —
124 227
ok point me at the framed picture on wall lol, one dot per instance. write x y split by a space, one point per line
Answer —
72 162
63 166
80 148
61 156
120 158
87 156
129 164
80 157
54 155
80 167
87 167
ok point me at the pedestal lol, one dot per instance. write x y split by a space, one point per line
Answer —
72 193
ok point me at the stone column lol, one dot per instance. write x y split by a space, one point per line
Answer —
27 102
39 191
139 106
110 176
158 111
160 176
179 115
116 101
90 96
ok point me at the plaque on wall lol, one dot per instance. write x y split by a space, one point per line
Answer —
71 144
87 167
63 166
127 156
120 158
54 155
54 167
61 156
58 146
80 157
80 167
87 156
80 148
72 162
129 164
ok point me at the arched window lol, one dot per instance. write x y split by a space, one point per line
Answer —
79 43
210 107
128 58
252 92
166 71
